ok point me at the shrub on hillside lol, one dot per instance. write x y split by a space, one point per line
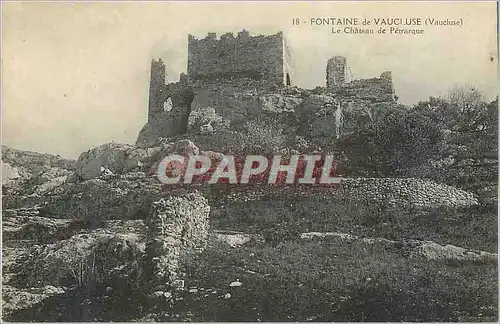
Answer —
262 134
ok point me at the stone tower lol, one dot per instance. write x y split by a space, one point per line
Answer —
265 59
336 71
156 87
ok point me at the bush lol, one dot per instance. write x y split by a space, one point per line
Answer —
281 232
262 134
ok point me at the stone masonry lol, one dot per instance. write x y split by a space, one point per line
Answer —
336 70
262 58
233 75
176 225
166 121
374 89
400 193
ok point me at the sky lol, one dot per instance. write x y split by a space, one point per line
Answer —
76 75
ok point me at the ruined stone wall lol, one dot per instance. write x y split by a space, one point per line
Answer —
287 65
235 76
161 121
156 85
406 192
402 193
254 57
336 71
176 225
376 89
219 84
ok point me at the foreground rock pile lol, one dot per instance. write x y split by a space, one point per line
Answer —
87 227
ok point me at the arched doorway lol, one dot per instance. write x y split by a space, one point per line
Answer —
288 82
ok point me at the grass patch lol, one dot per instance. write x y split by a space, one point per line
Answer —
470 227
332 280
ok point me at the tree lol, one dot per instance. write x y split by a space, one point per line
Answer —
412 142
474 147
399 142
472 143
465 97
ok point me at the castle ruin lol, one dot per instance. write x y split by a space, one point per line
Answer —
262 58
225 72
336 72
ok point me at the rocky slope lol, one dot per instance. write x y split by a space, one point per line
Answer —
101 229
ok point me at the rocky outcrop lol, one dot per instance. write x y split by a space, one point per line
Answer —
317 116
330 115
15 299
113 181
27 175
9 173
122 197
44 257
278 103
110 221
33 162
114 158
49 180
80 260
26 224
206 121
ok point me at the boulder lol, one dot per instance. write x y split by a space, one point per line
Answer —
433 251
111 156
124 158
